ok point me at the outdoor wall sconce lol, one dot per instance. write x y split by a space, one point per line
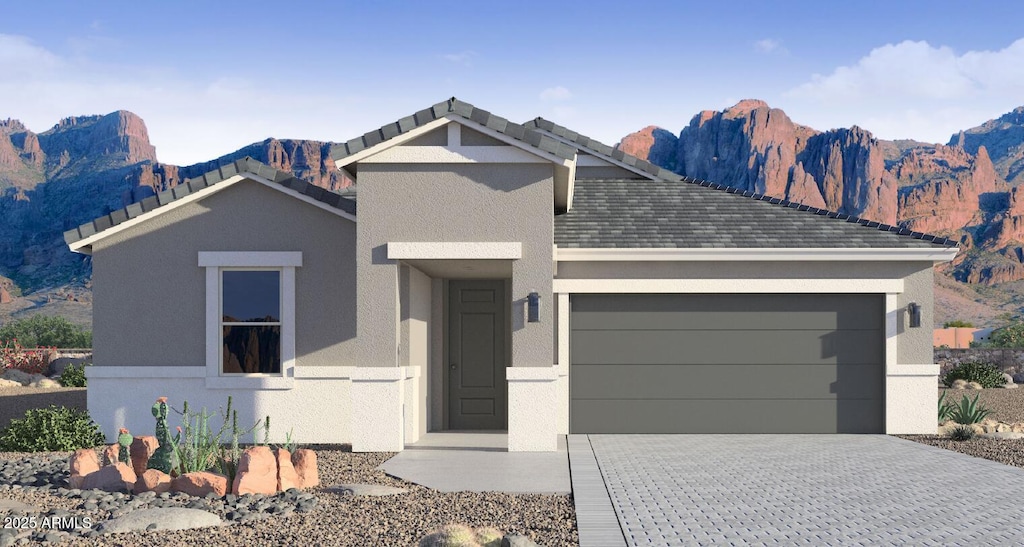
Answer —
914 309
533 308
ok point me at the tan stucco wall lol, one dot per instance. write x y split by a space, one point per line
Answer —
914 346
453 202
149 291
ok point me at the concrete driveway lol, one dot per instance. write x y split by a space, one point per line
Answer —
789 490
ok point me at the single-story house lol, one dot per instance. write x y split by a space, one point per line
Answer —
489 275
960 337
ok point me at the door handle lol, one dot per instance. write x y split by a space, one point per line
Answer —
454 366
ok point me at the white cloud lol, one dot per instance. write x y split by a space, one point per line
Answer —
463 58
914 90
557 93
769 45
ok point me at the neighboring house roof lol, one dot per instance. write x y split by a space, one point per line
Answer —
459 108
699 214
244 166
598 148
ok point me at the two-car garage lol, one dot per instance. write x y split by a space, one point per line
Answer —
727 363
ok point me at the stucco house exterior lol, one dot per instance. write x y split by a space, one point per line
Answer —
488 275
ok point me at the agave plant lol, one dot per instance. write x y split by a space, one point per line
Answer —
968 412
945 409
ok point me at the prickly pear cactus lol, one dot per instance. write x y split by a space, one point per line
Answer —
124 439
163 458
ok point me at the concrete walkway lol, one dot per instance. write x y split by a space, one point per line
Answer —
480 462
794 490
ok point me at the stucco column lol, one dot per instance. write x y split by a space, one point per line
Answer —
532 409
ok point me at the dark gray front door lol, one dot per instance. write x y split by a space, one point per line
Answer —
477 319
716 363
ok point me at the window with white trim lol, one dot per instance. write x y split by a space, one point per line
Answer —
250 321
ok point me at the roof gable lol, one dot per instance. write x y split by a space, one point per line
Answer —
81 239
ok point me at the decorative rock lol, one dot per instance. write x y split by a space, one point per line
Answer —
304 461
200 484
1018 378
974 385
152 480
959 384
15 506
9 383
117 477
110 454
517 541
57 366
1007 378
257 472
286 475
45 383
82 462
165 518
142 448
1009 386
366 490
16 375
1004 435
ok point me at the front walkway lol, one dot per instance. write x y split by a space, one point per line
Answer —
789 490
480 462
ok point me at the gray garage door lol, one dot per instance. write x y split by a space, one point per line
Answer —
767 363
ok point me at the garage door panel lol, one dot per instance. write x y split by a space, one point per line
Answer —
726 416
718 311
640 381
758 347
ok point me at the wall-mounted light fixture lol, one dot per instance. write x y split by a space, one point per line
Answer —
914 309
533 308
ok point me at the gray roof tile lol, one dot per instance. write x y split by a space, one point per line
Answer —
698 214
225 172
459 108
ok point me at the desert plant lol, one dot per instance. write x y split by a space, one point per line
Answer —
958 324
962 433
165 457
945 409
201 448
986 374
968 412
31 361
289 444
73 376
124 442
45 330
451 535
1009 336
51 429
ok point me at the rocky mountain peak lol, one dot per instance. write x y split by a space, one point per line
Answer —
744 106
117 138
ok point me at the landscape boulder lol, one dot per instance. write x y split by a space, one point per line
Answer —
304 461
201 483
117 477
162 518
110 454
57 366
141 450
286 475
152 480
81 463
257 472
16 375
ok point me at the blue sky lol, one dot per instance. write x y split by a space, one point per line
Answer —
209 79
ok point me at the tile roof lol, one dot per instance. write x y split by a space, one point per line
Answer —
445 108
699 214
599 148
242 166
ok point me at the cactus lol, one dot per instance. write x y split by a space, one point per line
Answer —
164 457
124 439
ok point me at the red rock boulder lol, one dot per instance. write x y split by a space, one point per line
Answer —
141 449
257 472
117 477
110 454
82 462
304 461
200 483
152 480
286 475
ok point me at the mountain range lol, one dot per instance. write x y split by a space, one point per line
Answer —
87 166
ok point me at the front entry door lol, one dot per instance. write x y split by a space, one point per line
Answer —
477 319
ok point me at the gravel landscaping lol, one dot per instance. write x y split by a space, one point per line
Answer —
314 517
1007 406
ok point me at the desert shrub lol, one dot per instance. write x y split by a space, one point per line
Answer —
1010 336
32 361
73 376
986 374
958 324
968 412
45 330
962 433
51 429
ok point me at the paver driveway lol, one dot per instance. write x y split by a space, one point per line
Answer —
794 490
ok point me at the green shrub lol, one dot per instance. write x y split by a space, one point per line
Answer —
945 409
986 374
958 324
73 376
51 429
45 330
1010 336
962 433
968 412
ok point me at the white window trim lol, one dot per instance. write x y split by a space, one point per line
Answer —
215 263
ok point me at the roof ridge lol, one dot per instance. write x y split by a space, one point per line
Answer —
464 110
213 177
